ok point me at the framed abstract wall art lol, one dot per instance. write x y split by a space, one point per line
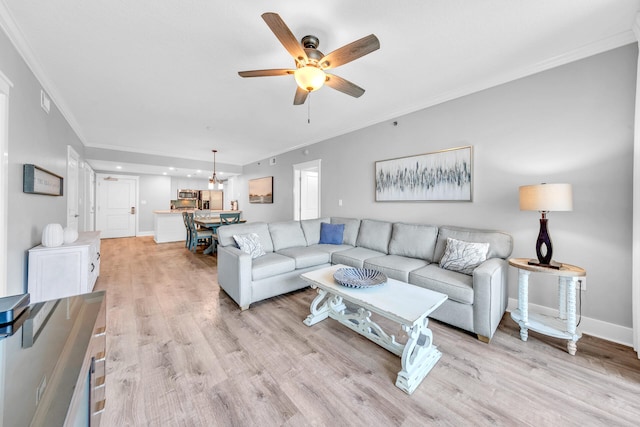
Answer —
261 190
439 176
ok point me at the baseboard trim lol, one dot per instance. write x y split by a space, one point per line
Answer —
144 233
594 327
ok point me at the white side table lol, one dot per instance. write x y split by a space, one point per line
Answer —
563 326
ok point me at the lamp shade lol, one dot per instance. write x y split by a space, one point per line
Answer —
309 78
546 197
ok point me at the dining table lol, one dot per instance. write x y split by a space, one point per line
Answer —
211 223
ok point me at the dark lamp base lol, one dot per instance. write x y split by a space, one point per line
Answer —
552 264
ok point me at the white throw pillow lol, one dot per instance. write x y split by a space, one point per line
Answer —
462 256
250 244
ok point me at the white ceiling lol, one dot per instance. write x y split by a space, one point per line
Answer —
160 77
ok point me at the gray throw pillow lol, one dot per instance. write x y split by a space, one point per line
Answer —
462 256
250 244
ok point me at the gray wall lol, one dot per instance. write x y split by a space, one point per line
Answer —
570 124
155 193
38 138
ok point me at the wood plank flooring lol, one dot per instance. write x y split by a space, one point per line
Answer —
181 353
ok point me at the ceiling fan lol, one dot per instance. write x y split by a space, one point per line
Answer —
311 63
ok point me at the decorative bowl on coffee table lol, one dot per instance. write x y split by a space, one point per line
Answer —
359 277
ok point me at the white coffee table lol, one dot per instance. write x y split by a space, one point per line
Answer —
400 302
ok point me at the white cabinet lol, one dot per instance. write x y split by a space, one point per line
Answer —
70 269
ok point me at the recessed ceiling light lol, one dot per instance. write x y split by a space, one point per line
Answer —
118 167
171 168
189 176
198 171
164 173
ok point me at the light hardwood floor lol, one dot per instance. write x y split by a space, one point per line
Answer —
181 353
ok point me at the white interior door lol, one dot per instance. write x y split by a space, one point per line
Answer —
88 198
309 194
73 202
117 205
306 190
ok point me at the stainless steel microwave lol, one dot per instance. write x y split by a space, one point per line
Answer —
188 194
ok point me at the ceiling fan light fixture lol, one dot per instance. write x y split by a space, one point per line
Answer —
310 78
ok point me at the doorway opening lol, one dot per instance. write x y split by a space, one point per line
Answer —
306 190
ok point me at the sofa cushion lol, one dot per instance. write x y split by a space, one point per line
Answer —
394 266
270 265
351 228
500 244
306 256
225 234
286 234
331 234
249 244
311 229
332 248
374 235
354 257
413 240
458 286
462 256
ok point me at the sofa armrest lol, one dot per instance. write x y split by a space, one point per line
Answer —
234 274
490 295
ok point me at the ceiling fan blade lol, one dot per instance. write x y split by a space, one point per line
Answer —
344 86
265 73
350 52
301 96
286 37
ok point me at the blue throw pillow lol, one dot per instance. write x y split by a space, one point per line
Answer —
331 234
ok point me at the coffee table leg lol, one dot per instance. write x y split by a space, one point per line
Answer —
322 306
418 357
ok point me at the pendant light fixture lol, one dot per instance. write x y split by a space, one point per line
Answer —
214 179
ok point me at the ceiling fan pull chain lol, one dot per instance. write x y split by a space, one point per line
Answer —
309 110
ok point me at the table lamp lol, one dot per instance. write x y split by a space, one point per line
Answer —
545 198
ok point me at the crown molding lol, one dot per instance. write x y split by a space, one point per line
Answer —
13 32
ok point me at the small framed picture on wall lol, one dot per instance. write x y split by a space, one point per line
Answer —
261 190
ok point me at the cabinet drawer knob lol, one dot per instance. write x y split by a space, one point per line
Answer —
93 267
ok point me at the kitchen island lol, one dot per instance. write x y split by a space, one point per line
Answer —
168 225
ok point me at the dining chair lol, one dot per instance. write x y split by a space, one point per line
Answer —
229 218
202 213
225 219
198 235
187 242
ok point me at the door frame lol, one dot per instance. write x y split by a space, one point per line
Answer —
103 175
635 245
297 168
5 87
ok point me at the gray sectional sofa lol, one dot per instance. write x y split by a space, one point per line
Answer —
407 252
